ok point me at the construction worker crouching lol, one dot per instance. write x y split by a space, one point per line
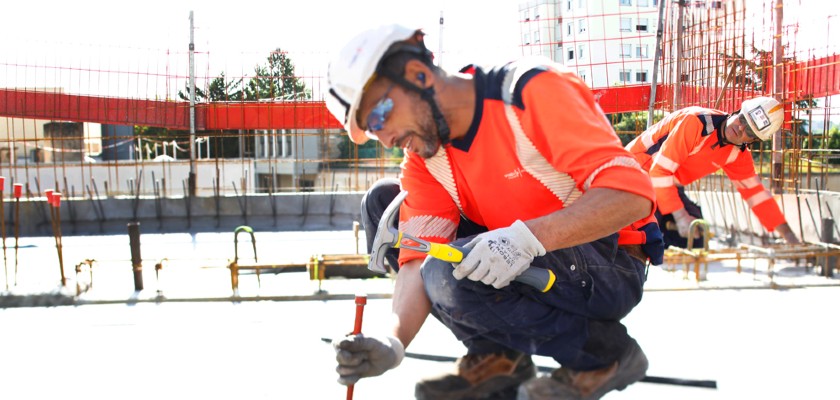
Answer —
518 164
694 142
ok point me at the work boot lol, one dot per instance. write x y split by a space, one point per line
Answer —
565 383
479 376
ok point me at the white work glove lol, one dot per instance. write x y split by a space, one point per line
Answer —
683 220
497 257
361 356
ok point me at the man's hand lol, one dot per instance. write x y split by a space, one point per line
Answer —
683 220
499 256
361 356
787 233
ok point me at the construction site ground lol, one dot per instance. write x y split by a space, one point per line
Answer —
185 336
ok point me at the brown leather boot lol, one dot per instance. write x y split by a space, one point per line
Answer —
565 383
479 376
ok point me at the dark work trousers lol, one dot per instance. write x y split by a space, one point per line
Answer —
576 322
671 236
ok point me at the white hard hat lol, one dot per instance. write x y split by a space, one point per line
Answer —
350 71
764 115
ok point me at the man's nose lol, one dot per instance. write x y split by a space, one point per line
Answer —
386 138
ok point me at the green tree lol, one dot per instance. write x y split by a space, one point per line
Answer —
276 80
220 89
834 144
200 96
628 125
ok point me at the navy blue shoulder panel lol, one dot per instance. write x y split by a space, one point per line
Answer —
496 77
717 123
655 148
488 86
520 85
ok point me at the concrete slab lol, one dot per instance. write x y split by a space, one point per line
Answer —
754 341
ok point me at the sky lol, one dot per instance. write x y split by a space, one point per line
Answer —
152 36
239 35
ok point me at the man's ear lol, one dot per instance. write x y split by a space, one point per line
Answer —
419 73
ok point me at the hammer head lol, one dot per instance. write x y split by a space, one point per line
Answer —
386 235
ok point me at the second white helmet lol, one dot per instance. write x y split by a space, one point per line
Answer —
764 115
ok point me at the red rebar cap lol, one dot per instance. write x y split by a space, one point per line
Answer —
2 183
18 188
56 200
49 193
361 299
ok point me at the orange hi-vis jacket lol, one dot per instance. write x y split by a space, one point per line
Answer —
685 146
524 156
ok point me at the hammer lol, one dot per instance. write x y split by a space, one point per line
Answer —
388 237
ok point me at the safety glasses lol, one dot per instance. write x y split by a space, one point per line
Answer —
379 113
743 121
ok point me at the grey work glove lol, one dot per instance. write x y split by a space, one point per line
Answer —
497 257
361 356
683 220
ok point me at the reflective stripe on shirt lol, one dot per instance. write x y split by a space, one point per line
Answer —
662 181
429 226
759 198
665 162
616 162
748 183
438 166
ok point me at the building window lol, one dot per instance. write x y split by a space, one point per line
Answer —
569 29
581 25
625 50
624 76
525 15
570 53
625 2
642 25
580 51
581 3
536 36
624 25
642 51
582 74
642 3
536 13
569 5
525 39
641 76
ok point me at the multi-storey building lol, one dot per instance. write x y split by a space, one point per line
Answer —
608 42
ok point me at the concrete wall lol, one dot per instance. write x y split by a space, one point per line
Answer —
281 212
338 211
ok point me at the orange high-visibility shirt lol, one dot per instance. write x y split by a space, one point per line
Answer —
495 174
683 148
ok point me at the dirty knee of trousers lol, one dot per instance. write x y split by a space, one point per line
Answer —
441 286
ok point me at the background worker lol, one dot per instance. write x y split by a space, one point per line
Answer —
694 142
518 164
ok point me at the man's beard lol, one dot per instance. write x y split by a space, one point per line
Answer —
428 136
